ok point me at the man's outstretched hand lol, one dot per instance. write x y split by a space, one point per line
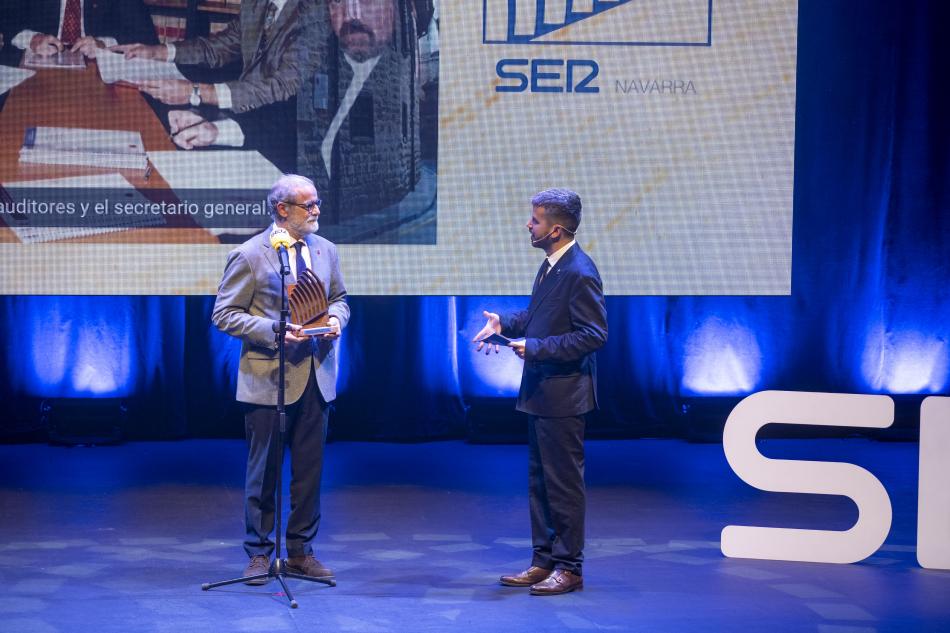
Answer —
493 326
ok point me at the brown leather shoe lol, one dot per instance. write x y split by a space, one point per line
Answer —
258 565
526 578
560 581
307 566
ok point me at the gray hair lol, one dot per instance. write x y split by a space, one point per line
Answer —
285 187
563 205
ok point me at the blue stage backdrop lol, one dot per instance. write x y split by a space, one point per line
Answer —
869 311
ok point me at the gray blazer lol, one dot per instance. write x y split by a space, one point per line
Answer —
248 307
268 76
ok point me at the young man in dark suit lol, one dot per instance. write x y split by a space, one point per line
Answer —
565 323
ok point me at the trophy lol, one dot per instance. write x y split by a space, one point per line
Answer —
308 303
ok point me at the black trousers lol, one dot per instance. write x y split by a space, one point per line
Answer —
556 494
306 437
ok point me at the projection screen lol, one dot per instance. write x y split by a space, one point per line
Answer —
427 127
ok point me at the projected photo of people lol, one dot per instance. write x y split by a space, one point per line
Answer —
183 116
241 81
368 121
188 108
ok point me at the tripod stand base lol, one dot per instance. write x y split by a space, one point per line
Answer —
276 571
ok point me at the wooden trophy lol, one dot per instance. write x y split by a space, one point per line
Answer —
308 301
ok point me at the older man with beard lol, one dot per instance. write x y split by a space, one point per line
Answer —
248 307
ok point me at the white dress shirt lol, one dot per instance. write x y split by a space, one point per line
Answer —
361 72
559 253
22 39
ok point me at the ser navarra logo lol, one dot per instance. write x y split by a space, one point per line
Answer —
587 23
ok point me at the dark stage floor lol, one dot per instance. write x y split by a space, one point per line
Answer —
121 538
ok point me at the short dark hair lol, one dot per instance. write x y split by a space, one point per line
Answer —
563 205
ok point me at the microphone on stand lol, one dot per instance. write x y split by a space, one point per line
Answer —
280 241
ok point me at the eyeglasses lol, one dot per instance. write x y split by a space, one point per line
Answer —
310 206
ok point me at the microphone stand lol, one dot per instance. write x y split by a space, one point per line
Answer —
277 568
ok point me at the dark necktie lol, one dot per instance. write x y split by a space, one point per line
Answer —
545 267
301 262
72 22
268 23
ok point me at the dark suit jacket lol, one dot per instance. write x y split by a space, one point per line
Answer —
375 155
268 76
8 11
272 130
128 21
565 323
8 21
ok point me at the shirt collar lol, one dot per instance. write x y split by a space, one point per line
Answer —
361 70
554 257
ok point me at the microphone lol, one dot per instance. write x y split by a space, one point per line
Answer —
542 238
280 241
556 226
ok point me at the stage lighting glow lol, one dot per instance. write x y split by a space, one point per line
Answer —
494 375
48 349
498 374
907 362
99 370
438 322
342 369
76 351
721 358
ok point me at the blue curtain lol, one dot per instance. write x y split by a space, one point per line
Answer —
869 310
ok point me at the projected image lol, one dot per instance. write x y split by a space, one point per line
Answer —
369 122
167 121
426 126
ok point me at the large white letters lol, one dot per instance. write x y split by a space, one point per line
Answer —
933 497
828 478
